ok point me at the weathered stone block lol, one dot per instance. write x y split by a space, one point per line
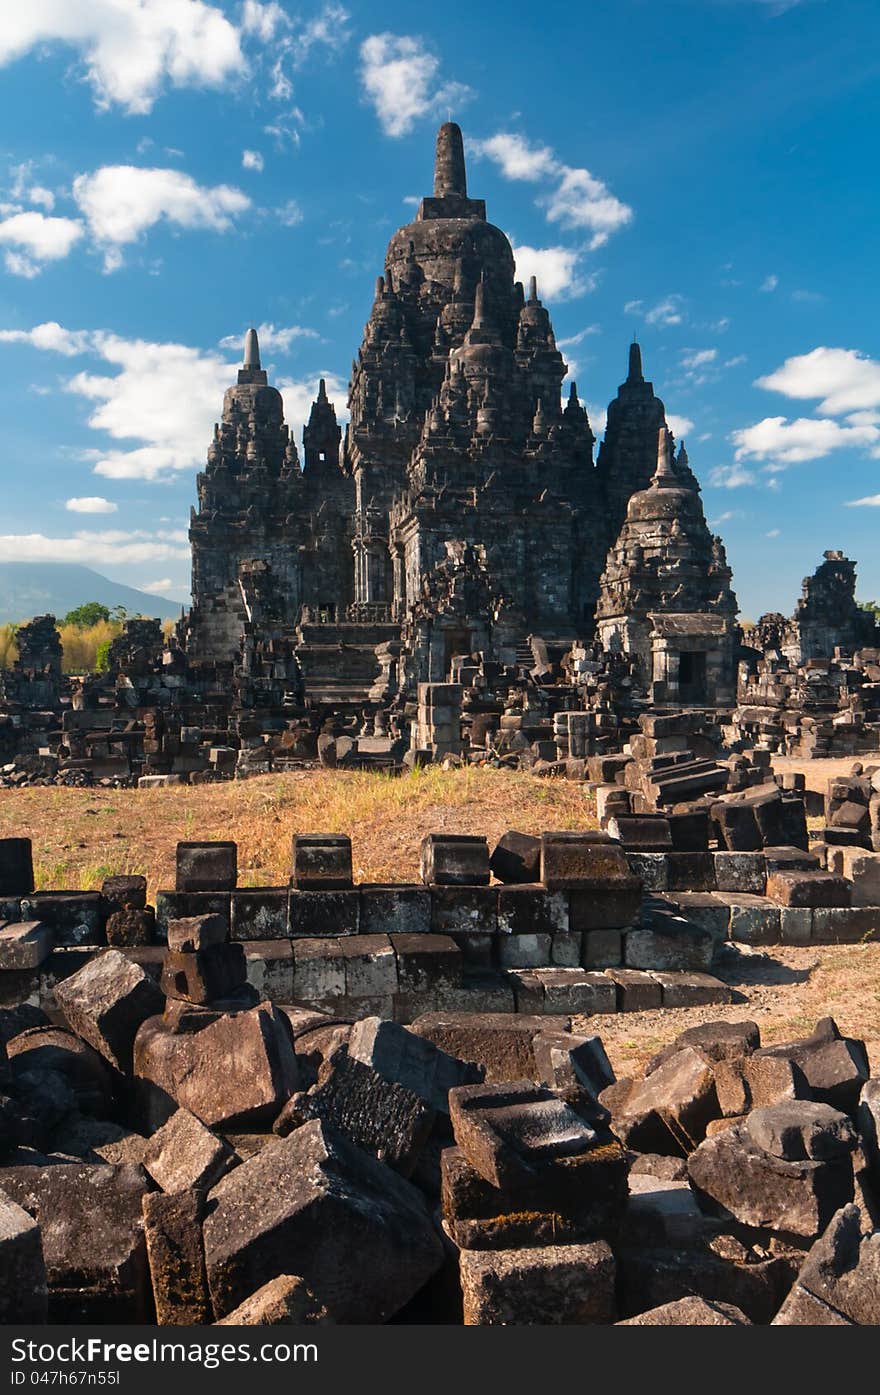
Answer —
318 914
464 910
531 910
173 1233
651 869
16 867
23 1293
846 926
240 1066
394 910
753 920
124 893
586 861
105 1003
499 1042
321 862
635 990
669 943
808 889
260 914
282 1302
91 1228
602 949
516 858
183 905
454 859
668 1111
510 1133
795 1198
184 1153
740 871
204 975
73 917
269 966
523 951
362 1236
207 866
24 945
370 966
551 1284
319 971
690 1312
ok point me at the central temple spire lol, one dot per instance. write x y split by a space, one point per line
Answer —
450 176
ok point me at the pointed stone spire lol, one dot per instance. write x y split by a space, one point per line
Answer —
533 290
479 320
450 176
635 374
251 350
664 475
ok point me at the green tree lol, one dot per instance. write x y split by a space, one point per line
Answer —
873 607
102 656
84 616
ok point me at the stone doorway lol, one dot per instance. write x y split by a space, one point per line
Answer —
692 676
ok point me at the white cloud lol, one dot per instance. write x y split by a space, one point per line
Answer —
24 189
120 202
290 214
515 157
49 336
735 361
669 311
784 442
130 49
870 501
666 312
579 199
188 383
773 533
401 80
271 337
582 201
106 549
265 21
252 160
158 588
679 426
769 283
93 503
698 358
844 379
731 477
578 338
598 416
557 269
34 239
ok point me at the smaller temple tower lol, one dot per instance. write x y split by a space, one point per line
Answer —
665 593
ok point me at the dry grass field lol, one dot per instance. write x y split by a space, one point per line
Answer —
81 836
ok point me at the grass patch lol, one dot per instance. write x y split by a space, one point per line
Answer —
81 836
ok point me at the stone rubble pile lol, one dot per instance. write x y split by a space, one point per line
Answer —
183 1158
199 1125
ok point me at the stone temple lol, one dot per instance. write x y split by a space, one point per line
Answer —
463 512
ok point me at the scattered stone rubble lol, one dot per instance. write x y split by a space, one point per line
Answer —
266 1081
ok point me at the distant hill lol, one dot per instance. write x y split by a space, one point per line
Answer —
54 588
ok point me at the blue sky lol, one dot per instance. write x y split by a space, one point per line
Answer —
701 172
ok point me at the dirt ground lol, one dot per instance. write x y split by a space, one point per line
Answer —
786 990
82 836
